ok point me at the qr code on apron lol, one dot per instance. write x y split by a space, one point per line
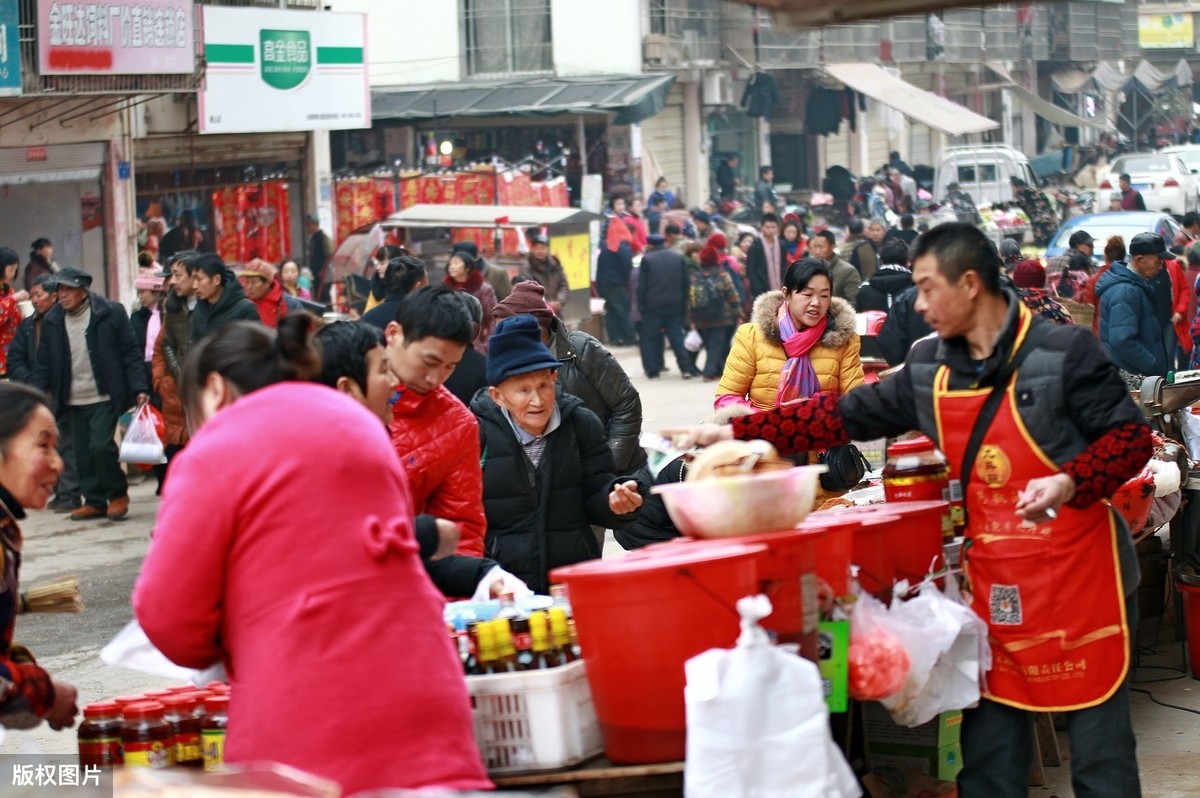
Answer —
1005 604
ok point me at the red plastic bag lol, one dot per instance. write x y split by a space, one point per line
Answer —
879 663
1134 500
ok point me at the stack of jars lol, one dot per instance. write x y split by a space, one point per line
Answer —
181 726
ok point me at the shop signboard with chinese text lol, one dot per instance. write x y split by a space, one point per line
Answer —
574 252
10 51
116 37
1166 32
284 70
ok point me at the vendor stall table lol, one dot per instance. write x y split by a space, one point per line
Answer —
601 777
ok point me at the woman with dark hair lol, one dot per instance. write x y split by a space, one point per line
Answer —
289 278
301 611
799 341
29 467
10 309
791 237
41 260
463 274
221 299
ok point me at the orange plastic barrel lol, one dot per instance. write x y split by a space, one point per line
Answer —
639 619
897 540
786 575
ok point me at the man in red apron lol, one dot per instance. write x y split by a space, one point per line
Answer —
1039 429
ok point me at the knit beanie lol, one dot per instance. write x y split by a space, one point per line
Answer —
468 247
528 297
719 241
709 256
1029 274
516 348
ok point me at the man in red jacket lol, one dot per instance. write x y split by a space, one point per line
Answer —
434 433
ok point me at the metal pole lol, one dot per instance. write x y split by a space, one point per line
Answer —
581 137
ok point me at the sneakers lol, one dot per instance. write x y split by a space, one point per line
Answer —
118 508
87 513
63 505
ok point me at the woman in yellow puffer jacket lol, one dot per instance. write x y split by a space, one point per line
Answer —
822 352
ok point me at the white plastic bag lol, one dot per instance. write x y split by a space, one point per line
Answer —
757 723
141 444
132 649
947 644
692 342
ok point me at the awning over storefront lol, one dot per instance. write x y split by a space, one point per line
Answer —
1108 77
503 216
631 97
917 104
1044 108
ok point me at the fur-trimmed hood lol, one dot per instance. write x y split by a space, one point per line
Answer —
839 327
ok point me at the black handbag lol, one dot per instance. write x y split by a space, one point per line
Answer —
847 467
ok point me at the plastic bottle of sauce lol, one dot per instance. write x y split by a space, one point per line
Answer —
212 729
100 735
917 471
179 711
147 737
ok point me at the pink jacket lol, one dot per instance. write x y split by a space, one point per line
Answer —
312 593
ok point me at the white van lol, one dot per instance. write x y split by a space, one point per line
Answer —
982 170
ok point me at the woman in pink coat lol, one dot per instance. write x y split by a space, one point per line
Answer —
306 583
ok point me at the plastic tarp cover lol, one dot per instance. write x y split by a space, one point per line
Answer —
917 104
1042 107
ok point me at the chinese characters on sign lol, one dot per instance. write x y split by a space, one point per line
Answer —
116 37
575 254
52 775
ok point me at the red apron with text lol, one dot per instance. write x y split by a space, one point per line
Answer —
1051 594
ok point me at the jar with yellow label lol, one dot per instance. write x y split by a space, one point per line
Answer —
147 737
917 471
179 710
212 730
100 735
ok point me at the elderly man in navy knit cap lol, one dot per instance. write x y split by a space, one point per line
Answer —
548 472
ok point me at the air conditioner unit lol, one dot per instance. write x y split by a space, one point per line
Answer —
660 50
717 89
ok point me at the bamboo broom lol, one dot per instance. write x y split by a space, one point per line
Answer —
57 595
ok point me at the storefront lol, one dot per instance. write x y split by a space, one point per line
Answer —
243 191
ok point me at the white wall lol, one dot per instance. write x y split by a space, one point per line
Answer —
596 38
409 41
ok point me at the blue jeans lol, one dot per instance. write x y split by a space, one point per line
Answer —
617 325
654 324
997 743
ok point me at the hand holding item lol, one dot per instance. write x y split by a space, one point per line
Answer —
624 498
702 435
62 713
1042 497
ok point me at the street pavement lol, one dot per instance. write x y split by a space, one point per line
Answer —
107 556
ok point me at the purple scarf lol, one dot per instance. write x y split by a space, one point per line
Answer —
798 380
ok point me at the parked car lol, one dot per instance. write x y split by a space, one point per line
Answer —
1188 153
1102 226
1165 182
984 171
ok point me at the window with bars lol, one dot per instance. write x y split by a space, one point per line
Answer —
504 37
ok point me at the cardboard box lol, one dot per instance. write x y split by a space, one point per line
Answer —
933 748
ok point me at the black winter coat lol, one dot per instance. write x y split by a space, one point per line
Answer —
385 311
232 305
22 354
883 289
116 362
663 282
903 328
469 375
540 519
756 266
590 373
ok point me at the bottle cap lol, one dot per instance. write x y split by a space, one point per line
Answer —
102 709
913 446
216 703
142 709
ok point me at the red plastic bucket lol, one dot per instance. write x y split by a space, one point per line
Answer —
639 619
1191 618
786 575
897 540
834 535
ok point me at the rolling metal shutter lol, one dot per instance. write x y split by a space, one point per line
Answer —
53 163
662 141
168 153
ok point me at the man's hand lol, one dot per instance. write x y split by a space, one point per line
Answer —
624 498
62 713
448 535
1176 318
1042 497
702 435
142 398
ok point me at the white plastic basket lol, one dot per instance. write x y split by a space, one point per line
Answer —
535 720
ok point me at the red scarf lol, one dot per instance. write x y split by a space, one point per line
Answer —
472 285
272 307
797 380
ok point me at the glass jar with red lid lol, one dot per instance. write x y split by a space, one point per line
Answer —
917 471
147 738
100 735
